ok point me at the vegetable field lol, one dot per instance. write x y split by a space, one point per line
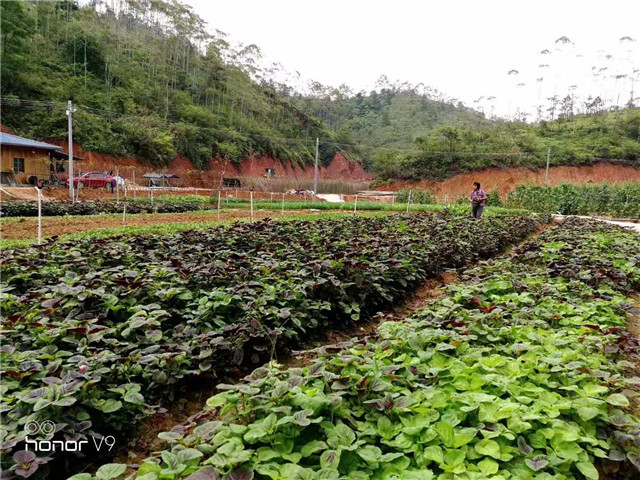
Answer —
523 371
55 209
97 333
621 201
191 204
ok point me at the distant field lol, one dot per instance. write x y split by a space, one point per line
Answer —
20 232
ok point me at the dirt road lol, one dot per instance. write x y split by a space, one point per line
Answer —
620 223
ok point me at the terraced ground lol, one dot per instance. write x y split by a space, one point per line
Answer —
99 333
523 370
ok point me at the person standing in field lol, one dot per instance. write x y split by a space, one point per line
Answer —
478 199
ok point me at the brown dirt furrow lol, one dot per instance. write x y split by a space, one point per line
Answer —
194 396
27 228
634 319
178 412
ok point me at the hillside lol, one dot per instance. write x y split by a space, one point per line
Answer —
504 180
391 117
149 81
576 140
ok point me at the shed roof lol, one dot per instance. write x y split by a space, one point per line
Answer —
16 141
65 156
160 175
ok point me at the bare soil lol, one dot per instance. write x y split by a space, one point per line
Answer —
504 180
27 227
634 319
633 327
8 194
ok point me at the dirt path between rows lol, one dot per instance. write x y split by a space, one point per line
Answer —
634 330
179 412
192 402
198 392
27 227
621 223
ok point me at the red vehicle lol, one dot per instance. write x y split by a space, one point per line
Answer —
93 180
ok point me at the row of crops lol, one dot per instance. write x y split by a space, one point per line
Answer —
58 209
96 333
621 201
176 205
521 372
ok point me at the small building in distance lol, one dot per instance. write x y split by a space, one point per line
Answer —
23 160
381 196
231 183
159 179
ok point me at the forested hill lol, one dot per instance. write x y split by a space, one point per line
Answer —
150 81
414 132
611 136
391 117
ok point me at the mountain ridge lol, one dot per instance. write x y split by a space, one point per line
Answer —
151 82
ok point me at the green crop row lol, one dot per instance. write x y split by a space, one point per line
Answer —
96 331
622 201
166 228
181 205
521 372
56 209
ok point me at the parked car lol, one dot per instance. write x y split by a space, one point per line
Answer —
93 180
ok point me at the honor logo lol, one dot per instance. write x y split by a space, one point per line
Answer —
48 428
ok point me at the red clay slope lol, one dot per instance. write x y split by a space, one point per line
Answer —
253 166
504 180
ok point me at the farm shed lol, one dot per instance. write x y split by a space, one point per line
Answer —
23 160
159 179
231 183
382 196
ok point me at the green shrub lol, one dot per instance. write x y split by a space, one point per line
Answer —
611 200
493 199
423 197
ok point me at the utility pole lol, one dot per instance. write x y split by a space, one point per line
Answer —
70 111
546 175
315 181
39 189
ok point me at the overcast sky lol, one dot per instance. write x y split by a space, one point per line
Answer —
462 47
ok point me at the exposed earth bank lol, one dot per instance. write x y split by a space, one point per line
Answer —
253 166
504 180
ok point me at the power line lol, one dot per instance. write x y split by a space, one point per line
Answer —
20 102
427 152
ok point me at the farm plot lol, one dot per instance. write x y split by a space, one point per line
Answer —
23 231
621 201
97 331
194 204
522 372
58 209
